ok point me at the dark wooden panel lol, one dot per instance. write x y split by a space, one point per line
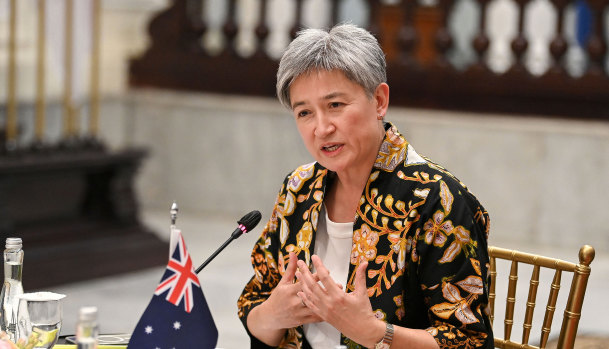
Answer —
77 214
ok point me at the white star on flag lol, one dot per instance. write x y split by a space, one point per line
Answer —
148 329
177 325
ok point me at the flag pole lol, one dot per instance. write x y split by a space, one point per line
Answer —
173 214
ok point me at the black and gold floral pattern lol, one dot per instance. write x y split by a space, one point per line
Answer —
422 232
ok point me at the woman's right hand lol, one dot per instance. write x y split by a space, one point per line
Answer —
282 310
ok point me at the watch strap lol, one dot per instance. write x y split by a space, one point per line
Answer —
385 343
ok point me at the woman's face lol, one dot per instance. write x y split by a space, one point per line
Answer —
337 121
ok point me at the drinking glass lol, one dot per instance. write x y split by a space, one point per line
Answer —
39 313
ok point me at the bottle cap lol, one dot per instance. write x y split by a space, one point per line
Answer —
87 314
42 296
14 243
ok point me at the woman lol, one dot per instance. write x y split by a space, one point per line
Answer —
372 245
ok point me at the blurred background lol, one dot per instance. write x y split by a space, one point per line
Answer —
113 109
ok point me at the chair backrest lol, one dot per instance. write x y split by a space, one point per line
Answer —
575 299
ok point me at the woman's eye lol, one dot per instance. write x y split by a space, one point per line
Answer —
302 113
335 104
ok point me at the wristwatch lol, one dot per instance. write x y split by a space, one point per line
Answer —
385 343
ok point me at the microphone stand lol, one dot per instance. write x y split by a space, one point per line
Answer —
230 239
246 223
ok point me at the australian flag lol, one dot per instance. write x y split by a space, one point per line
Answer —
177 316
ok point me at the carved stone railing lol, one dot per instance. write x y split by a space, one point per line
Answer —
419 42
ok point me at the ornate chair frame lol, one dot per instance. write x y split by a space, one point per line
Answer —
572 313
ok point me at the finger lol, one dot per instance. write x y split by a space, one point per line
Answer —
305 283
308 302
288 276
360 279
305 275
298 294
315 291
323 274
309 287
299 276
313 275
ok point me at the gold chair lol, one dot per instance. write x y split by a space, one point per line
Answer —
575 299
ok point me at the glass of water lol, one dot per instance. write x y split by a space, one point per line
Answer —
39 318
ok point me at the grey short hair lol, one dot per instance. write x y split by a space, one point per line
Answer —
346 47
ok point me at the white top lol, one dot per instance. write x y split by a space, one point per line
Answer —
333 244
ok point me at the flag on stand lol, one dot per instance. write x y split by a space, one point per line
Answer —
178 316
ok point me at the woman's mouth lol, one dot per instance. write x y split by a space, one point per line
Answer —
331 148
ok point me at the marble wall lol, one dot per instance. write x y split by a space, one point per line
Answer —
543 181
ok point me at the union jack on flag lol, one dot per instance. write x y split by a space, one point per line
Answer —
181 281
168 324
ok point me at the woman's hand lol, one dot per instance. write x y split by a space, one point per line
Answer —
282 310
285 308
350 313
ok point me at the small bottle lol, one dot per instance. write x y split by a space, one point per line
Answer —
87 330
12 288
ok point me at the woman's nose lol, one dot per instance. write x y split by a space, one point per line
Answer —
324 125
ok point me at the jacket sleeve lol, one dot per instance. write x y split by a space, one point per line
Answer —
268 263
452 255
297 199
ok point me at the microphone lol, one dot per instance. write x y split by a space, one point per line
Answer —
246 223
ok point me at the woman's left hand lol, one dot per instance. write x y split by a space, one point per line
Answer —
350 313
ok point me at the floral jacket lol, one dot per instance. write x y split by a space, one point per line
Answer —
422 232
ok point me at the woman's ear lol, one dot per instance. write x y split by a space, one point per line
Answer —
381 97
